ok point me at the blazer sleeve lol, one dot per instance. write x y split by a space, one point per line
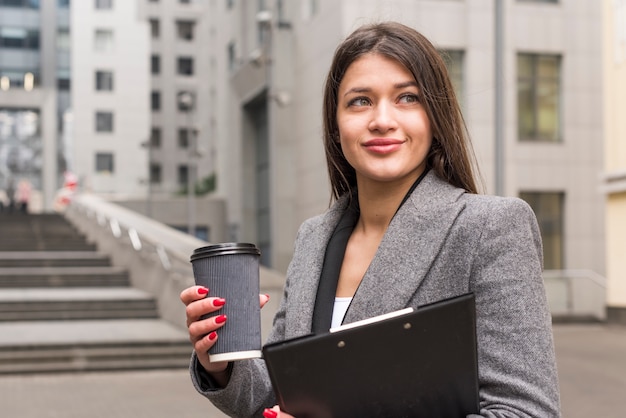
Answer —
517 366
249 390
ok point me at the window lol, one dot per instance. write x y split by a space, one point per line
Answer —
104 4
103 40
184 66
184 29
183 172
104 80
30 4
454 64
548 208
155 137
63 78
12 37
539 97
63 39
155 28
232 57
155 173
185 101
155 100
155 64
183 138
104 162
104 121
26 78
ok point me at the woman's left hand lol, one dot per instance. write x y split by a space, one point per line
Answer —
275 413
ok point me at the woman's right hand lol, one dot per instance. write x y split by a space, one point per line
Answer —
202 332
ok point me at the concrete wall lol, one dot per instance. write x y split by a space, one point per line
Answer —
614 60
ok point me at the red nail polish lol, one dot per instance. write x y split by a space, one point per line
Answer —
203 291
220 319
212 335
219 302
268 413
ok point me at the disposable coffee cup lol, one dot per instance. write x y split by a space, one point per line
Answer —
231 271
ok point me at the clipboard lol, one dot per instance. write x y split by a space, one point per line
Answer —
416 364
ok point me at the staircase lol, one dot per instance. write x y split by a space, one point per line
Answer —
64 307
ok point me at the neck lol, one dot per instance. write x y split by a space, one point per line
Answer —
378 203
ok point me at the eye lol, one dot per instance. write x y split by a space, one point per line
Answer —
409 98
359 101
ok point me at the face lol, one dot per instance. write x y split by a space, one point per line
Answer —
383 128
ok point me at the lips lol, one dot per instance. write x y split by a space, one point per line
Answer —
383 145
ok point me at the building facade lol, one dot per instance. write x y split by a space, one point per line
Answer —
110 117
272 59
615 155
34 83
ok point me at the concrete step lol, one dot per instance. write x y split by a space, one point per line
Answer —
47 245
70 346
40 304
53 259
29 277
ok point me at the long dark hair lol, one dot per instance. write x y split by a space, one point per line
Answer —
451 155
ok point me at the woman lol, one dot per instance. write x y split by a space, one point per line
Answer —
400 166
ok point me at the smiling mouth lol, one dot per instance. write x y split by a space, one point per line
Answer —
383 145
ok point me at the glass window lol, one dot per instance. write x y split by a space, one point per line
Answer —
63 39
30 4
27 78
539 97
232 57
454 64
63 78
184 66
104 121
103 40
155 173
155 28
184 29
183 172
11 37
104 162
155 64
549 210
183 138
104 4
104 80
155 137
155 100
185 101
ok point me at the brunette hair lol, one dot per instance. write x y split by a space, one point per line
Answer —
451 155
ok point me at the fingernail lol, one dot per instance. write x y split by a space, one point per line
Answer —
219 302
203 291
267 296
212 335
268 413
220 319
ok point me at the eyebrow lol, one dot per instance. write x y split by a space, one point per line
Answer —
397 86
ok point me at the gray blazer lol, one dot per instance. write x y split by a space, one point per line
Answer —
441 243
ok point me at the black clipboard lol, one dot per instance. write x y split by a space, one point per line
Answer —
417 364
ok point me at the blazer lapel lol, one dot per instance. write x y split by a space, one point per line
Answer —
307 268
413 239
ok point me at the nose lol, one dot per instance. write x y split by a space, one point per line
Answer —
383 118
